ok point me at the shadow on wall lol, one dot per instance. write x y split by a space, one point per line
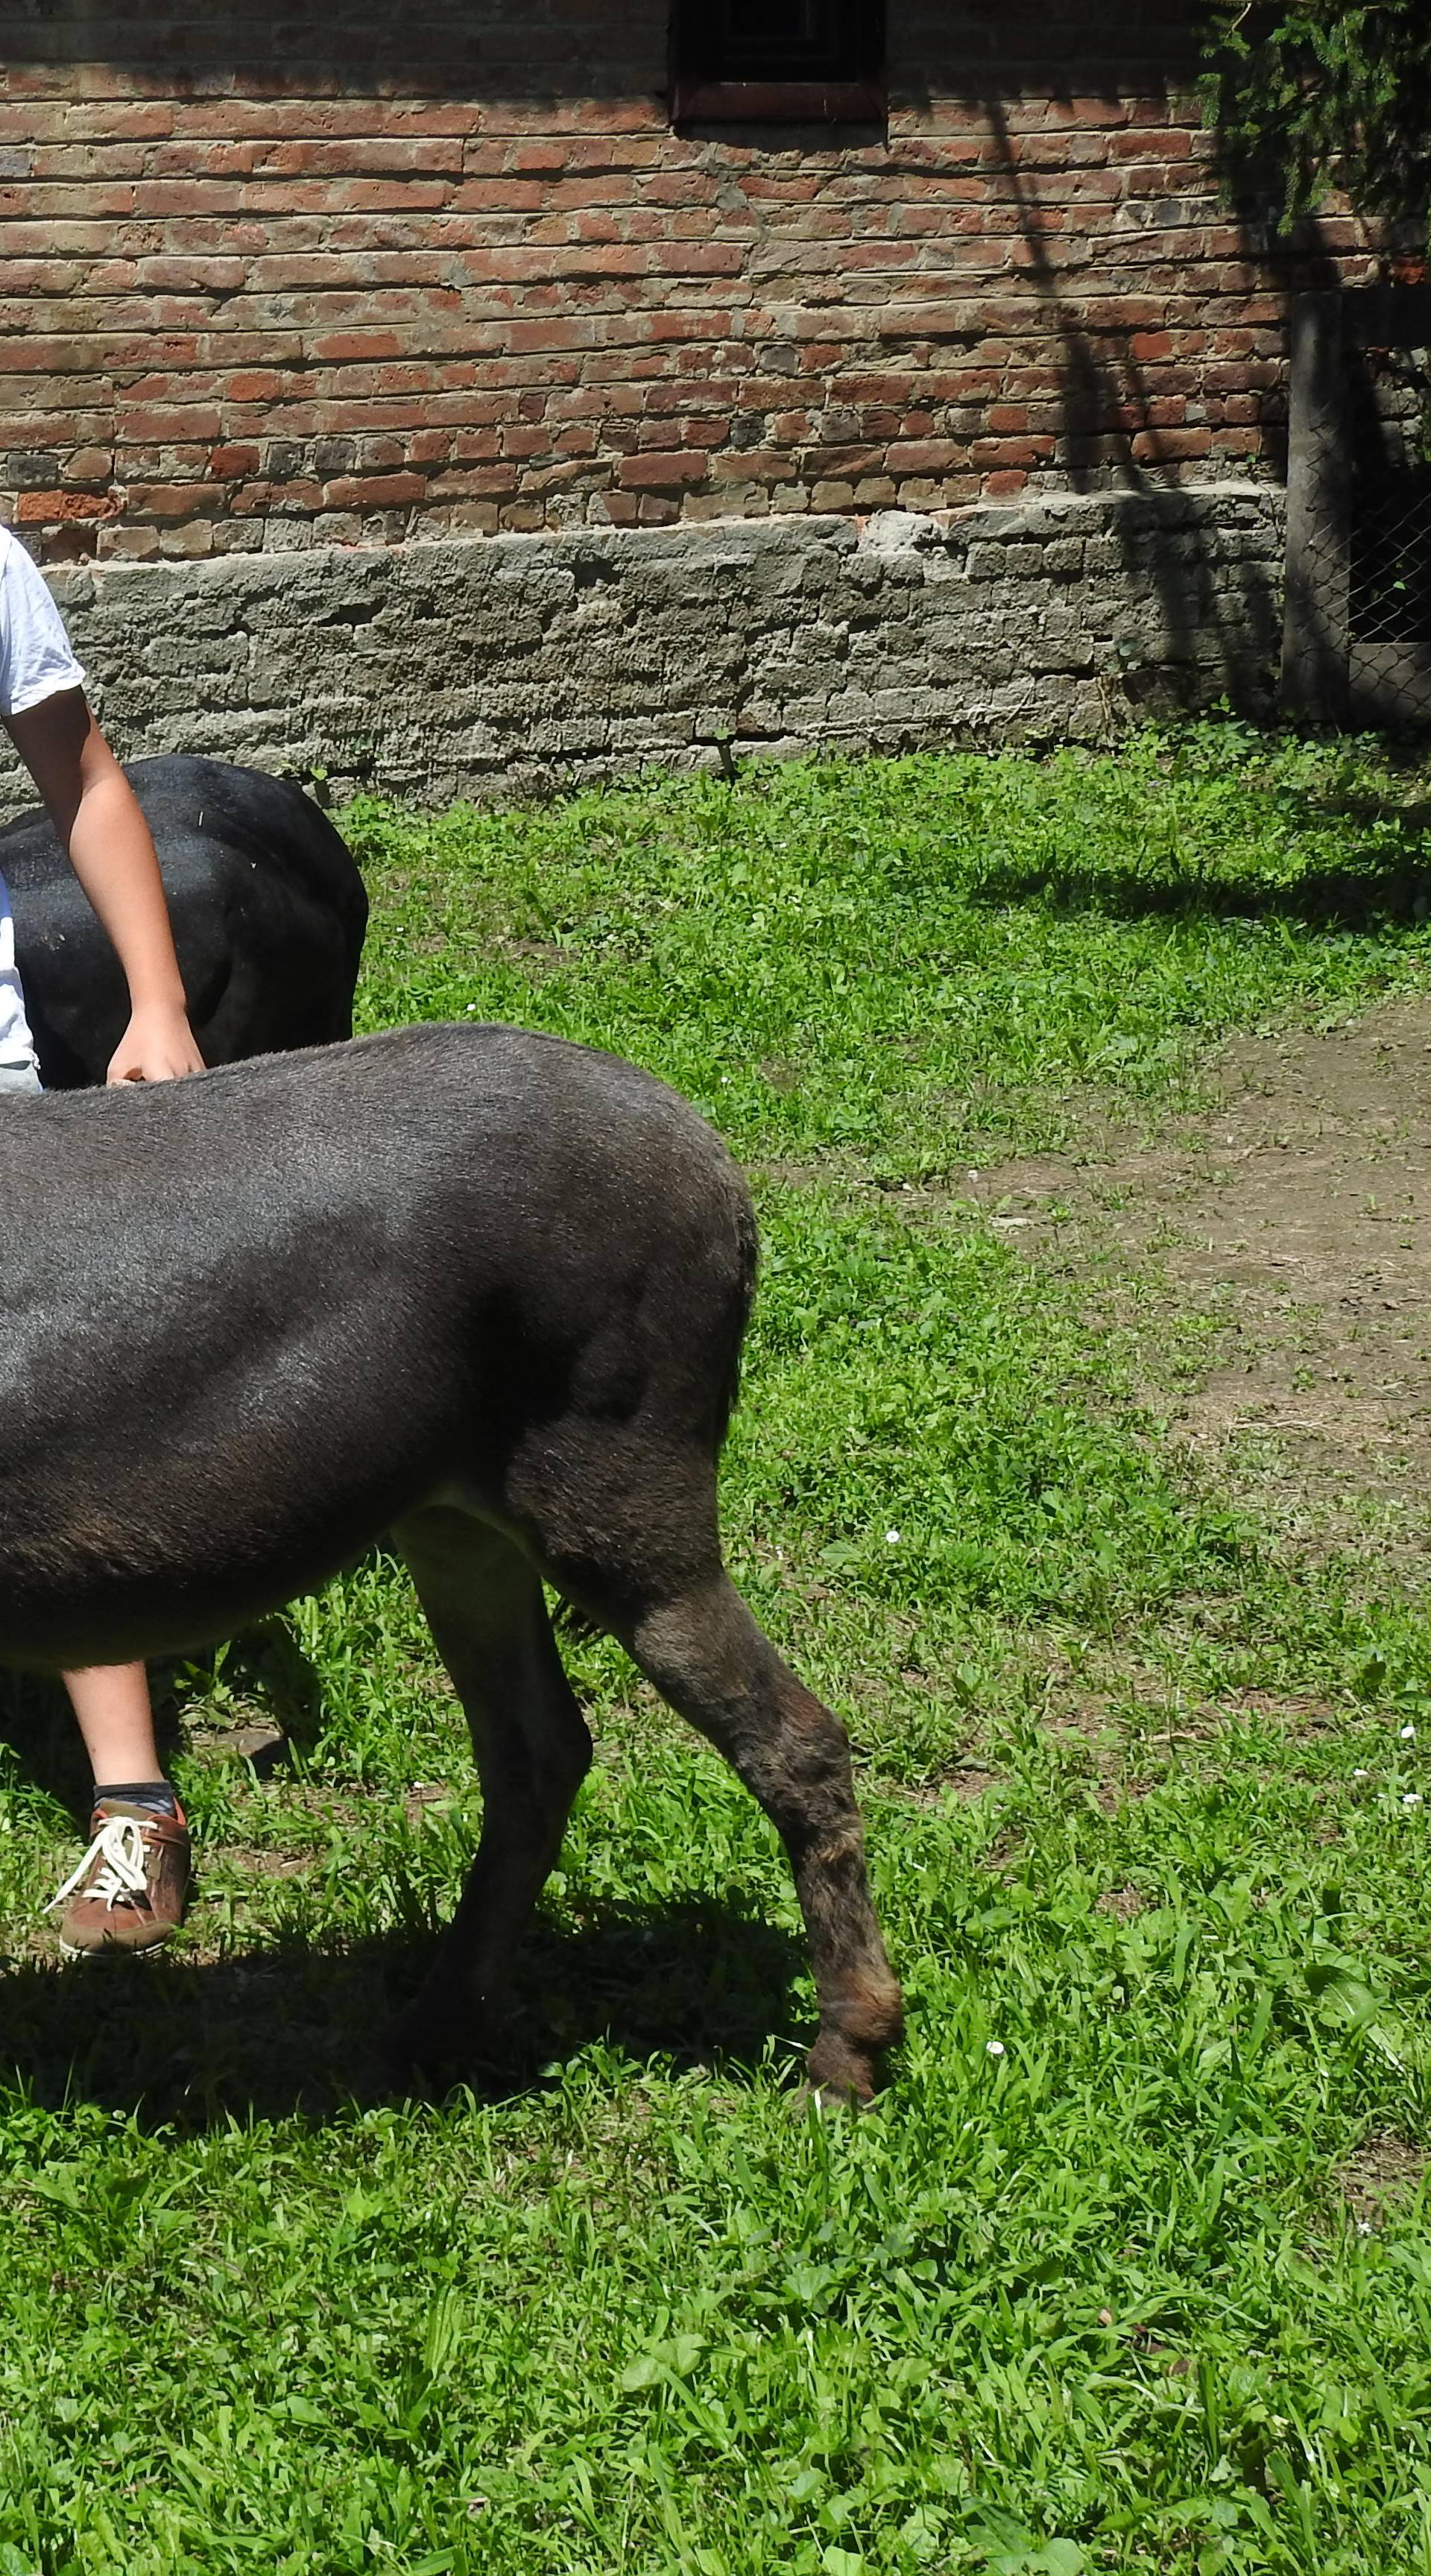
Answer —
545 49
1126 416
1112 435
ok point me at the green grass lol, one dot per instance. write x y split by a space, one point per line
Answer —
1083 2292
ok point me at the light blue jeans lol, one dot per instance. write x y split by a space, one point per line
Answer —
18 1077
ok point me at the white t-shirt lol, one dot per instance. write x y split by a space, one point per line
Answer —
35 663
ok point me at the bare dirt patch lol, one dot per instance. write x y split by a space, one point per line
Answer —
1125 1902
257 1740
963 1780
1295 1219
1380 2177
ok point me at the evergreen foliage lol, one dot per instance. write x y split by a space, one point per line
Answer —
1311 93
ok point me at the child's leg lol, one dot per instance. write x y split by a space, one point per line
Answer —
116 1720
129 1890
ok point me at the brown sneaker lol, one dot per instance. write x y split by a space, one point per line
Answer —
130 1889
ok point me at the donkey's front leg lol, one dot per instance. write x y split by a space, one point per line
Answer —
487 1613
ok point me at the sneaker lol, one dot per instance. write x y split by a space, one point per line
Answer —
130 1889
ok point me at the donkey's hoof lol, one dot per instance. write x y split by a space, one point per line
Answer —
438 2040
841 2078
851 2043
418 2041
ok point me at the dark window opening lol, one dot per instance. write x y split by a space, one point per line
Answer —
777 60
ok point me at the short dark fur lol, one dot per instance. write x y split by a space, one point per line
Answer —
267 905
477 1288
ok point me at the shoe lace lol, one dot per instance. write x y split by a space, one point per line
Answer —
116 1856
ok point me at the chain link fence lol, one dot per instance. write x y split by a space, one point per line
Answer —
1357 638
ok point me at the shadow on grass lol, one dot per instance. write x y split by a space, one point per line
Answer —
1381 887
291 2031
1376 896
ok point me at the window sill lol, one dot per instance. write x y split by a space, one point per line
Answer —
775 102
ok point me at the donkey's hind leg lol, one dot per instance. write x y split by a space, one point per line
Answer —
484 1604
706 1655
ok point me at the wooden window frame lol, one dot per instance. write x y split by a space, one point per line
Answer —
696 99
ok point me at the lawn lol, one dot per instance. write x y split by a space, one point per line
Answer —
1129 2268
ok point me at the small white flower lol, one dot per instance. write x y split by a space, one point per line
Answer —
994 2048
1408 1735
891 1538
1361 1775
1363 2227
1412 1798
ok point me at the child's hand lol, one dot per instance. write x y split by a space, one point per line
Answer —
157 1046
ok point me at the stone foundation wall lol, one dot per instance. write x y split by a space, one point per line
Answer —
517 665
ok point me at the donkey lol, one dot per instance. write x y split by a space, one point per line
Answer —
266 902
480 1290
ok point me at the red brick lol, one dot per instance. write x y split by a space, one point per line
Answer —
49 509
358 344
661 470
998 453
372 491
923 456
255 385
148 421
1163 446
536 156
525 442
226 462
170 501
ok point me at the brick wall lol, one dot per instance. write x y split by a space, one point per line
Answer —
277 277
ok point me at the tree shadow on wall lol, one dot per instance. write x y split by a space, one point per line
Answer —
459 49
1217 618
1212 616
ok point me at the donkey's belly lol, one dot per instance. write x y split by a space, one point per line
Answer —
108 1589
111 1546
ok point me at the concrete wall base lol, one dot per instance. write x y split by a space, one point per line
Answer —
518 665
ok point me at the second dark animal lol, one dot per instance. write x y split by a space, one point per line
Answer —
267 906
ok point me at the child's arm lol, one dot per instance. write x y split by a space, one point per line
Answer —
94 810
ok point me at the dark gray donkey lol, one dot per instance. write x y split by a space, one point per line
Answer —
267 907
475 1288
